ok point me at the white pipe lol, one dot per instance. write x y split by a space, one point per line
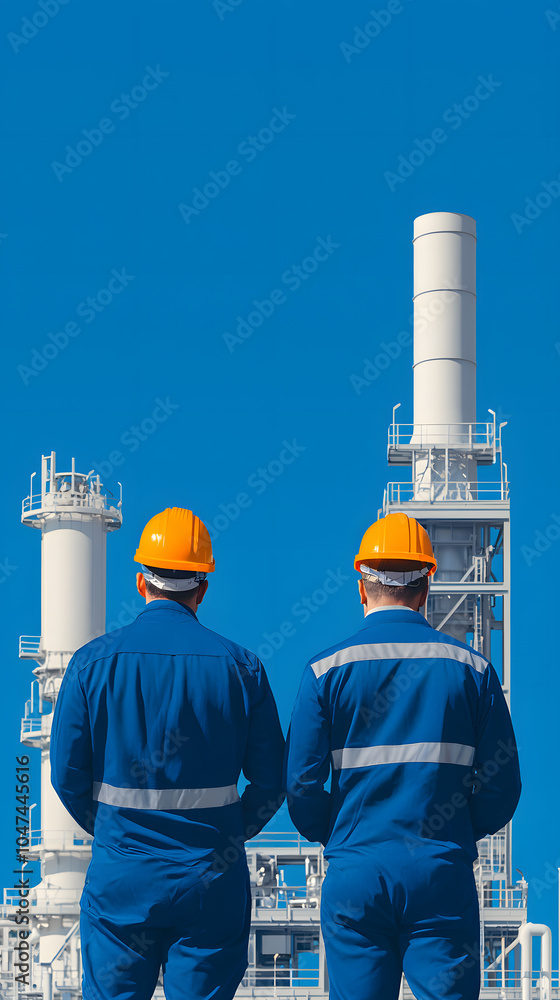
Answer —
47 977
526 934
444 319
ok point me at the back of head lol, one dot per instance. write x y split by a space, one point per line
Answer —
171 585
175 553
395 559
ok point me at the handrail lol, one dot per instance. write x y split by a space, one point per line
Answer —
288 838
70 500
455 435
69 839
401 491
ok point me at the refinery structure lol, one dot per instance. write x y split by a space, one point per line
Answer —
458 489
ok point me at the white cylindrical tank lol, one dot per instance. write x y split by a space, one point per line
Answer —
444 325
74 517
73 580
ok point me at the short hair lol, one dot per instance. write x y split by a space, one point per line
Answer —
170 595
375 589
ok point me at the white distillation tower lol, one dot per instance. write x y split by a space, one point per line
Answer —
468 521
74 517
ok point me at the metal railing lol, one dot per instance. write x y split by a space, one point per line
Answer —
407 492
512 979
492 852
512 988
286 897
281 977
503 895
66 840
279 841
69 500
29 646
32 726
461 437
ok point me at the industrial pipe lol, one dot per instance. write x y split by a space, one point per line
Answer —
526 934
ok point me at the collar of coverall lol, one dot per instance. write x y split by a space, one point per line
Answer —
415 616
161 604
389 607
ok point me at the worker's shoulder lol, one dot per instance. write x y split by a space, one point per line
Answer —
203 642
220 645
333 653
462 651
396 641
101 646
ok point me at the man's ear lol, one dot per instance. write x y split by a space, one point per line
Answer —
141 584
362 589
424 597
202 588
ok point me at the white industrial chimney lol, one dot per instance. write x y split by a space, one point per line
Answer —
444 354
444 320
74 518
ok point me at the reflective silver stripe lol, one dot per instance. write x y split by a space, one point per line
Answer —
165 798
400 651
404 753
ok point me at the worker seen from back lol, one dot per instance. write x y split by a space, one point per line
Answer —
413 728
152 727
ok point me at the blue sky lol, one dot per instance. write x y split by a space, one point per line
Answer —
128 152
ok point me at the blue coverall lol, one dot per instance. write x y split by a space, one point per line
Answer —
414 726
152 727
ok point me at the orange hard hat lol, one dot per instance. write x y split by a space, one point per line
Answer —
176 539
396 538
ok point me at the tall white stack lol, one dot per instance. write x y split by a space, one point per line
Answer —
74 518
444 352
444 320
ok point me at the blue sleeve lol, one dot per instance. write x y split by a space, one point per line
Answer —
71 750
496 777
262 764
308 762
